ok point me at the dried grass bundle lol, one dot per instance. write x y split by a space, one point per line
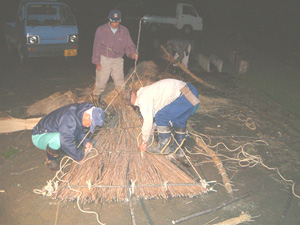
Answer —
244 217
120 161
84 94
217 161
49 104
11 124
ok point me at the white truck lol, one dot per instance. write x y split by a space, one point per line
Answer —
183 16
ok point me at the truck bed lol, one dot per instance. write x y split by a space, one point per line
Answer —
160 19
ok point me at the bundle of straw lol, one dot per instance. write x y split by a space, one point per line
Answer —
49 104
151 176
11 124
104 178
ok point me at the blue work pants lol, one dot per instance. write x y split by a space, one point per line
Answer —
177 111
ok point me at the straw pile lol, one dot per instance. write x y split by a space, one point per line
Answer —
11 124
45 106
49 104
120 162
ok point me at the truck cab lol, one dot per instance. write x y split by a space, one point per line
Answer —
188 18
43 28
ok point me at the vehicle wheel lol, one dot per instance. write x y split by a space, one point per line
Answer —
22 57
187 29
8 47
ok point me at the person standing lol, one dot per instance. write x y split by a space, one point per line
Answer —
112 41
58 132
168 102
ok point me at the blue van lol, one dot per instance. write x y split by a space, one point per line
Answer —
43 28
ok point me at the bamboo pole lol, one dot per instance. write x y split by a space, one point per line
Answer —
223 204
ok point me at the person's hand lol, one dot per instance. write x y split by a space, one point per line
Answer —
143 146
98 67
136 57
88 148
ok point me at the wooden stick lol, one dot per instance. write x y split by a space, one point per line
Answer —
136 186
286 208
130 196
223 204
56 216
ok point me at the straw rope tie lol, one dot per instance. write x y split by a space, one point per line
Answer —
166 185
89 184
132 187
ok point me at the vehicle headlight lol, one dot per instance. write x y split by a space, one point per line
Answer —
33 39
73 38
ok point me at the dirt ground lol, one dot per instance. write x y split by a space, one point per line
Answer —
236 113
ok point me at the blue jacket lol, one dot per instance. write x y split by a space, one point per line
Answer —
67 121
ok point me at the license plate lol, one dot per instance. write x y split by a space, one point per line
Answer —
70 52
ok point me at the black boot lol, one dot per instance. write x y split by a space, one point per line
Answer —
164 139
52 159
180 136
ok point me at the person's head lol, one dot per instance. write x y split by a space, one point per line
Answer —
115 18
129 97
170 46
93 117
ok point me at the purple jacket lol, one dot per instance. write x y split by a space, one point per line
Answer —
112 45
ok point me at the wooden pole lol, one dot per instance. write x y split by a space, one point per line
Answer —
223 204
186 70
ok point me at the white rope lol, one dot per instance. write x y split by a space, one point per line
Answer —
52 186
47 190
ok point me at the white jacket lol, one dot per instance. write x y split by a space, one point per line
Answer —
152 98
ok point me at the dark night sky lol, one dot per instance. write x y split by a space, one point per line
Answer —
275 18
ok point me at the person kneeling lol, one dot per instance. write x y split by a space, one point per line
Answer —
58 132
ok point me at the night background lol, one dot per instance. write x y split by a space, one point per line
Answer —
275 20
265 32
270 27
